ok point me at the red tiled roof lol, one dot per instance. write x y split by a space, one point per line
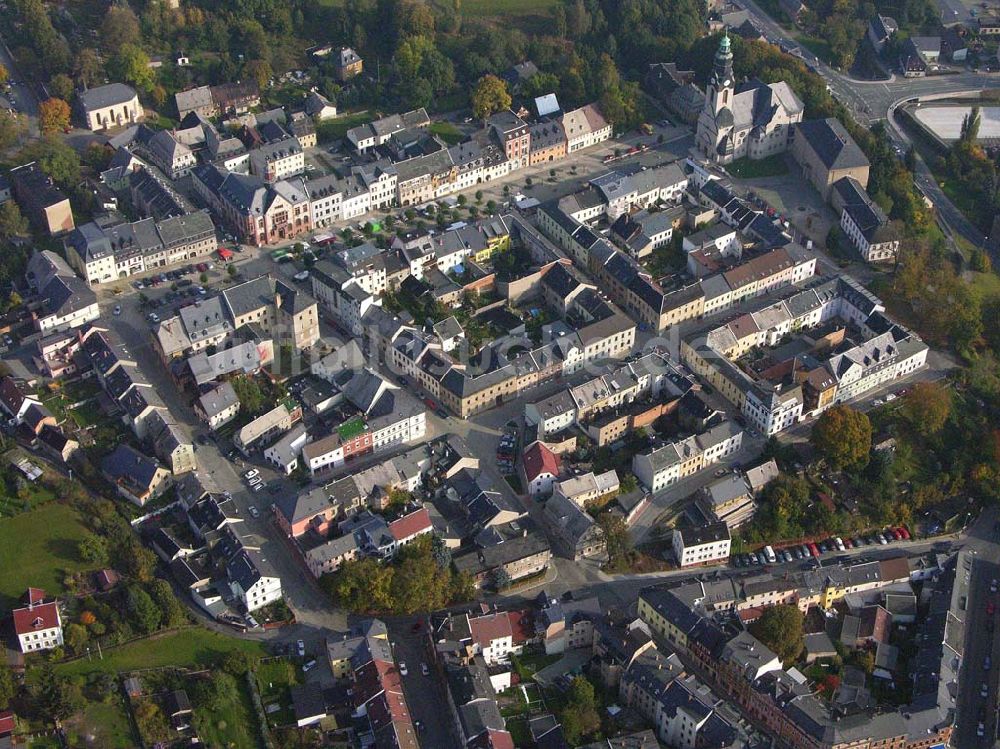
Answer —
896 568
486 629
520 626
492 739
34 595
538 459
35 618
6 722
418 521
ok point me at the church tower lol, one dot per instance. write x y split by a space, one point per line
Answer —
720 87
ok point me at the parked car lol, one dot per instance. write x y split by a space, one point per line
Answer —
256 481
300 648
251 473
424 670
402 669
308 665
254 512
993 585
117 310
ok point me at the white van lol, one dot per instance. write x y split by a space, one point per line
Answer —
769 553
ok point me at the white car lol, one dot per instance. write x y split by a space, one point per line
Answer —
309 665
251 473
256 481
300 647
117 310
424 670
402 669
840 544
259 487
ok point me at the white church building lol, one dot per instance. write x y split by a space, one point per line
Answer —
754 122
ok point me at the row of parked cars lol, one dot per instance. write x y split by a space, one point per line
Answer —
767 555
505 452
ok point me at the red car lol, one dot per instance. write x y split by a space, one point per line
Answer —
430 403
903 532
201 267
814 550
990 608
848 544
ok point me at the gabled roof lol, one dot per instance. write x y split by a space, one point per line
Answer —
538 459
831 142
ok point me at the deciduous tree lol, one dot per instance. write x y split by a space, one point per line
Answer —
12 223
130 64
120 27
53 116
12 127
579 716
489 96
780 628
843 436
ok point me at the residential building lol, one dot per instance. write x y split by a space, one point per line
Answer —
38 624
541 468
587 487
218 406
276 421
347 64
135 476
284 454
196 100
707 544
585 127
575 533
109 106
64 301
42 203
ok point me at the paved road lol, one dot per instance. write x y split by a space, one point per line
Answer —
27 103
310 605
425 695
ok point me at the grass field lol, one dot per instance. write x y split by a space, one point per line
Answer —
488 8
36 548
233 724
446 132
273 680
772 166
102 724
338 127
189 647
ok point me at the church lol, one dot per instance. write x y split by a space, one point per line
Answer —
755 121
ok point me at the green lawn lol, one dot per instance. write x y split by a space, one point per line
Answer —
338 127
102 724
446 132
487 8
273 680
189 647
527 665
772 166
36 549
233 724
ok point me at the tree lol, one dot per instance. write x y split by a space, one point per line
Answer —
120 27
418 584
970 127
501 579
628 484
780 628
172 613
8 687
12 223
93 549
579 716
926 407
56 158
143 612
843 436
259 71
76 637
12 127
53 116
130 64
489 96
134 559
250 394
61 86
87 67
621 551
55 697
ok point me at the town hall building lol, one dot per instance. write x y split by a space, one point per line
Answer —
754 122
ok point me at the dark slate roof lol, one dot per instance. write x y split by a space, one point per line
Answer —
832 143
105 96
